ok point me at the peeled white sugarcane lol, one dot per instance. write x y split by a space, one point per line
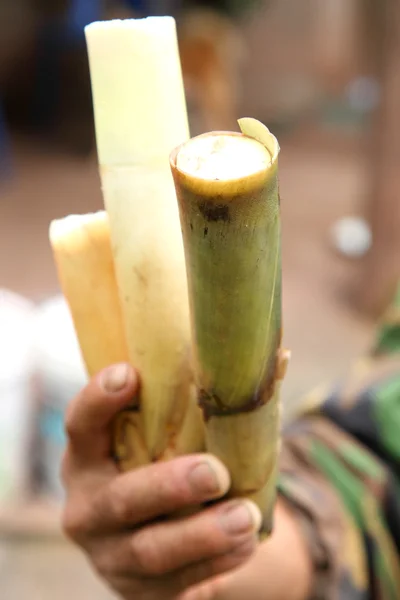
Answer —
82 253
140 114
85 266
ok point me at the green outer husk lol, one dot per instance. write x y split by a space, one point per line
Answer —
232 240
233 261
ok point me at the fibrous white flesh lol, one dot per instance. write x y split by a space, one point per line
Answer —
139 100
82 252
222 157
140 115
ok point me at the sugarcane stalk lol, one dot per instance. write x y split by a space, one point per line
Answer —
227 189
140 114
82 253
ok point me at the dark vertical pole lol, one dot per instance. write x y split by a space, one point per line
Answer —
381 268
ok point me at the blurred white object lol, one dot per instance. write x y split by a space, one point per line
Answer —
61 375
16 398
57 352
364 94
352 236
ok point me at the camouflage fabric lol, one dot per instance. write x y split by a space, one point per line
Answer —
340 470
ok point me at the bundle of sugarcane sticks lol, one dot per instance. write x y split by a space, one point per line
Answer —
181 275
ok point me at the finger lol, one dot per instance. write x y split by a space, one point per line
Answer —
263 576
158 490
175 586
246 581
208 571
90 415
166 547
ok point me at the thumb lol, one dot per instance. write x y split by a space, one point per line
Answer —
91 413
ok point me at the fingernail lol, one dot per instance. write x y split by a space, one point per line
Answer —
241 517
115 378
210 478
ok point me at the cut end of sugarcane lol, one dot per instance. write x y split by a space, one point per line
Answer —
222 157
138 94
208 162
60 229
154 23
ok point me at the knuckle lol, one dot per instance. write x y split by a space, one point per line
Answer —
148 558
173 491
121 506
169 483
73 523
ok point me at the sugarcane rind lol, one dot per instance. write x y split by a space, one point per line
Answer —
244 231
129 446
183 436
260 132
212 406
254 480
231 230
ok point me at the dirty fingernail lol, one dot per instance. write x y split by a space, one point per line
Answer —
241 517
115 378
210 478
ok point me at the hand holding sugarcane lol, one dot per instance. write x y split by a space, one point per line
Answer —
126 277
120 519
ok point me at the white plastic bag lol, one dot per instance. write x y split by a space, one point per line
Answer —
16 398
61 374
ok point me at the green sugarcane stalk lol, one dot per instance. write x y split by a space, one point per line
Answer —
232 239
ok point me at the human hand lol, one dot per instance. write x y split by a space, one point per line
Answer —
279 569
119 520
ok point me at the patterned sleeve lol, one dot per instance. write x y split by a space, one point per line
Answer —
340 471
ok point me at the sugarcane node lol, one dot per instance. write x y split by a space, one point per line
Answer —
212 405
215 410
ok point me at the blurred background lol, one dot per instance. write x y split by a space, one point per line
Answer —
324 76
